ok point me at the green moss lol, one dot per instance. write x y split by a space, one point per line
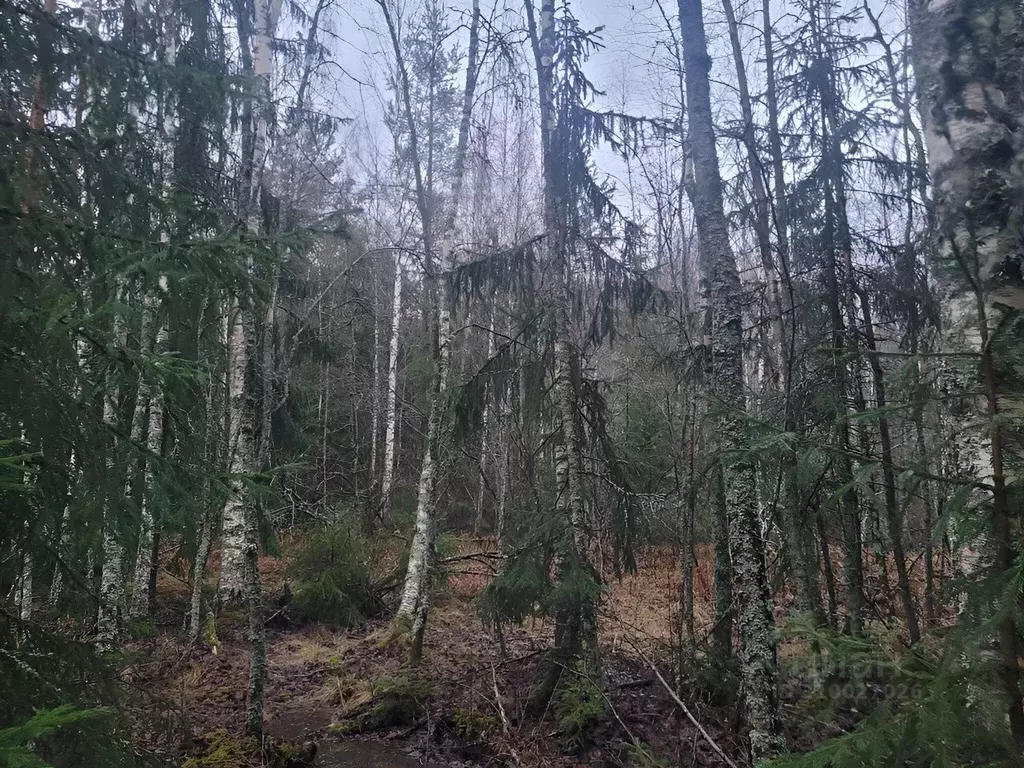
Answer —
225 750
473 725
141 627
229 750
397 701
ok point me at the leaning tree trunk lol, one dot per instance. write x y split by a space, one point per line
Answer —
413 609
718 268
967 56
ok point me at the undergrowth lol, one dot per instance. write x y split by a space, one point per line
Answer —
335 578
579 704
903 707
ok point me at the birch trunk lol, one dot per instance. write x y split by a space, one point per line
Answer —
718 268
391 413
967 63
376 398
23 586
108 618
413 609
239 527
234 523
481 494
111 594
214 438
154 443
140 597
575 635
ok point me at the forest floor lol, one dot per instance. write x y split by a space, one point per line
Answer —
471 699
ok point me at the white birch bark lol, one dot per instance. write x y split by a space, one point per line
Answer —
214 438
238 527
234 523
139 606
376 398
967 64
481 494
111 592
391 413
23 588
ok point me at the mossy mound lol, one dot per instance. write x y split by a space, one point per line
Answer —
224 749
395 702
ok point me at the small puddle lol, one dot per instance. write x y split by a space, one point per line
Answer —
364 754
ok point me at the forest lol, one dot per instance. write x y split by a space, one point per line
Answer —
468 383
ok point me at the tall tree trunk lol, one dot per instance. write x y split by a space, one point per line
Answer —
792 524
139 606
214 437
967 57
892 509
241 458
485 435
375 401
837 253
238 529
722 629
23 586
414 606
387 485
718 268
575 632
112 581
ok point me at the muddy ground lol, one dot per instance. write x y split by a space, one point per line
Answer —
473 698
470 698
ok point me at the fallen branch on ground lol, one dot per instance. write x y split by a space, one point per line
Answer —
686 710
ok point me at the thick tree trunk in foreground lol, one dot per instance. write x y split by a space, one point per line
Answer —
967 57
718 267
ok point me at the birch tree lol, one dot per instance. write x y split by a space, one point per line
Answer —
413 608
966 58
